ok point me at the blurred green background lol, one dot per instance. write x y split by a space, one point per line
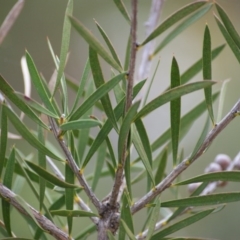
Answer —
42 19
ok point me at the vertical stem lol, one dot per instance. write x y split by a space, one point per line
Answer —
130 82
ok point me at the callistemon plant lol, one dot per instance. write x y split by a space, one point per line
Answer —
64 144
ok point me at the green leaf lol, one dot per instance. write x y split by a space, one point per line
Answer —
235 49
36 106
186 122
82 85
109 44
27 135
153 218
125 128
197 66
107 127
80 124
7 181
84 134
182 224
175 17
175 110
110 235
42 163
11 94
94 43
37 82
201 139
97 95
222 99
204 200
128 231
171 95
228 25
161 166
86 232
65 43
207 70
138 144
121 7
230 176
99 165
99 81
73 213
182 26
49 177
3 137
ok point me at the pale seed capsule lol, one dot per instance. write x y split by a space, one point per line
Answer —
237 162
223 160
213 167
193 186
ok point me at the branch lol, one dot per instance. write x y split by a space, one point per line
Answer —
187 162
72 164
146 60
44 222
10 19
130 82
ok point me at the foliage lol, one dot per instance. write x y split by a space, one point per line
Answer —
58 180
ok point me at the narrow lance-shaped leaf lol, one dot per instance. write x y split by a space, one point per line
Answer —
222 99
121 7
97 95
171 95
207 70
124 130
49 177
228 24
36 106
7 181
181 224
82 85
109 44
99 165
142 133
212 199
94 43
99 81
230 176
175 110
69 178
3 137
107 127
27 135
235 49
153 219
80 124
11 94
83 137
182 26
161 166
39 86
128 231
175 17
42 163
65 43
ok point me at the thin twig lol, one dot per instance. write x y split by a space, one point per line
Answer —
79 201
44 222
72 164
146 59
10 19
187 162
130 83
